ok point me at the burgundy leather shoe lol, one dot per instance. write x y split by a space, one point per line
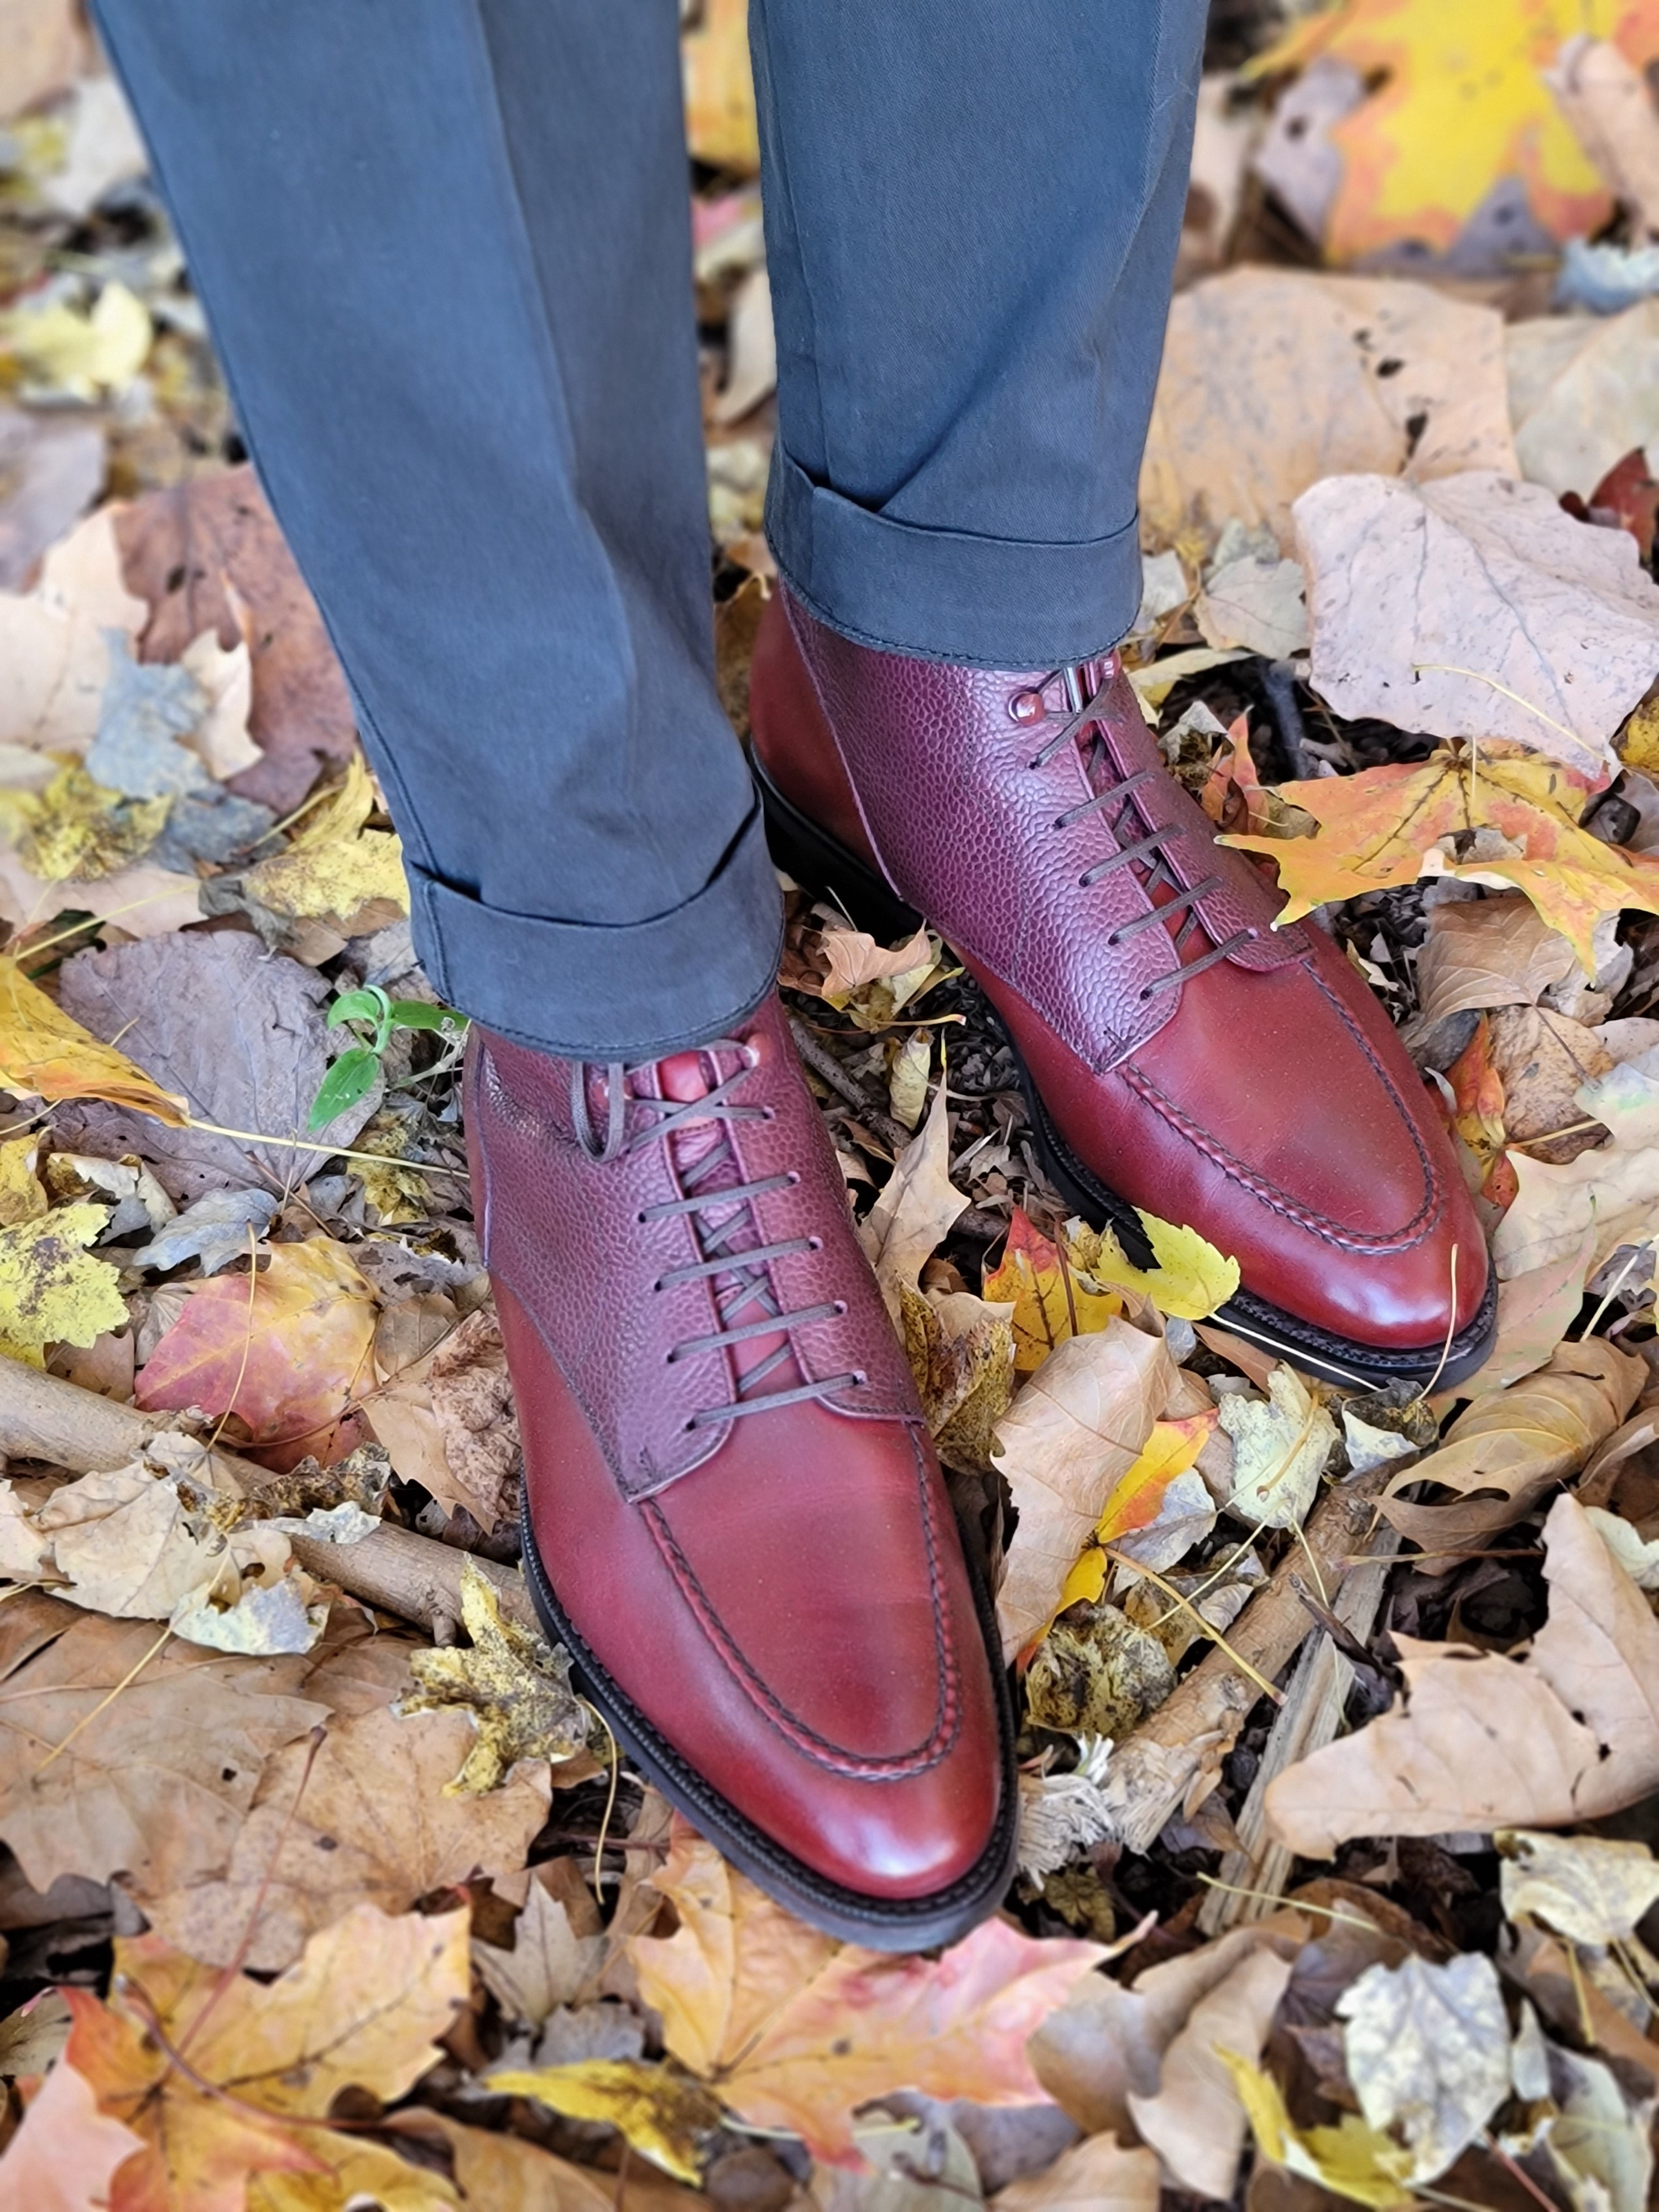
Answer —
734 1518
1179 1053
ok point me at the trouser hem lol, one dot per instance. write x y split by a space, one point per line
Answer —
560 987
947 594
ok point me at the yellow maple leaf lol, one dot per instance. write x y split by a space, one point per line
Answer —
1188 1279
798 2031
664 2116
361 2010
21 1198
1386 826
1457 102
1353 2159
1052 1298
79 352
76 830
46 1054
50 1291
721 125
335 869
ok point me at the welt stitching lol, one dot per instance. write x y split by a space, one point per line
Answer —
1280 1201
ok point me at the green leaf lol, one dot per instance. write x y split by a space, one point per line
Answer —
349 1079
416 1014
369 1005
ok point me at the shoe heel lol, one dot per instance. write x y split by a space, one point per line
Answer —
822 864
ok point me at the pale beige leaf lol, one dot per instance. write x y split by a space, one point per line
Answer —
63 2157
1195 2122
1592 1889
1427 2049
1541 1058
1078 1425
1488 952
1584 391
1259 605
1564 1735
1607 1197
1611 110
1555 627
1281 1445
915 1208
546 1967
1270 381
1096 2175
1535 1310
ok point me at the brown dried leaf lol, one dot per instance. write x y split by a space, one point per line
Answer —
1488 952
373 1821
1097 2175
472 1404
915 1208
161 1772
1505 1451
1564 1735
1196 2122
1078 1425
1541 1057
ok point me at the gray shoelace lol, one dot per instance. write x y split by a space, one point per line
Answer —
1145 854
734 1258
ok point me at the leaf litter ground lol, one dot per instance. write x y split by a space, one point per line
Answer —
1339 1733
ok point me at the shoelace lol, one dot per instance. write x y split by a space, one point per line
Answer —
1145 854
744 1265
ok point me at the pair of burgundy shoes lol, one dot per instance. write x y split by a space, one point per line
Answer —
734 1517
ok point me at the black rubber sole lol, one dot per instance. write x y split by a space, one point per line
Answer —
821 862
878 1923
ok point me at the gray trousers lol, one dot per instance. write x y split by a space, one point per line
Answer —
444 248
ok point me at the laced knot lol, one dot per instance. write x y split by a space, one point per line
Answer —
718 1204
1139 845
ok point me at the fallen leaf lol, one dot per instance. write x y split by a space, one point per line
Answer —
1275 378
1540 1057
961 1351
720 94
1281 1446
238 1034
1455 103
63 2157
1501 1456
1591 1889
1351 2161
76 830
284 1350
856 959
1107 2042
664 2117
1487 952
82 353
46 1054
1052 1299
1582 392
1076 1429
220 738
206 554
21 1198
1604 1198
372 1821
144 712
163 1767
907 1078
1097 2175
499 2172
1195 2122
547 1966
361 2010
1387 826
472 1404
1472 607
222 1225
1602 2149
1188 1279
1564 1735
1096 1673
1427 2049
915 1208
1259 605
334 870
1611 113
1136 1505
45 50
800 2031
516 1691
52 1291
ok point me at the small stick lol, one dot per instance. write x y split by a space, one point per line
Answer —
824 1062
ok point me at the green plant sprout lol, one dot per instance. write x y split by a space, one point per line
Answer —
352 1074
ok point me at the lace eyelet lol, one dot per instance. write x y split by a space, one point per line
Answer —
794 1177
1144 993
769 1113
656 1286
840 1309
815 1244
1114 938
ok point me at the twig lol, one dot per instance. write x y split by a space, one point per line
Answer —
824 1062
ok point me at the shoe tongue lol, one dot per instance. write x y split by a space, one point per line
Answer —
685 1076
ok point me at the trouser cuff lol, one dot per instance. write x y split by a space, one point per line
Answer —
947 594
634 991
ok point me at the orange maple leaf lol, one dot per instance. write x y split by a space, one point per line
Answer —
1387 826
283 1350
797 2031
1052 1301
